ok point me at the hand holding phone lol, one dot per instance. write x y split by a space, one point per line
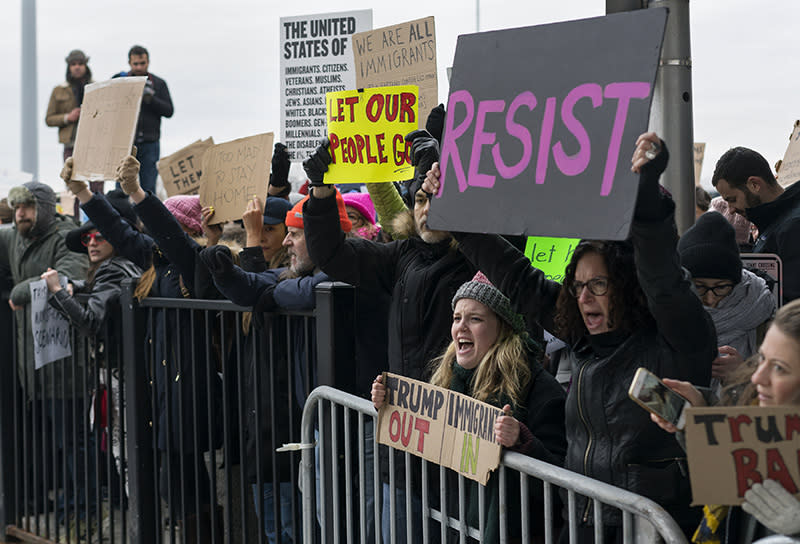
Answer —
654 396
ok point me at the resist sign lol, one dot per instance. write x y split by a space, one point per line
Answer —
367 131
541 123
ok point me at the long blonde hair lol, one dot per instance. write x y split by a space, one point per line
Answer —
503 371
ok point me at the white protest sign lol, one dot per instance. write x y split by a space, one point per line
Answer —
772 266
50 329
316 58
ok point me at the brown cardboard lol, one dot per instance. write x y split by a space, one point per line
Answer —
440 425
789 171
233 172
403 54
699 154
181 171
106 127
727 453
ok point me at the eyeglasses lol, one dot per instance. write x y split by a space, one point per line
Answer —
721 290
87 238
597 286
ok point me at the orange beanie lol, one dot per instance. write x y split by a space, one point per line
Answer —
294 217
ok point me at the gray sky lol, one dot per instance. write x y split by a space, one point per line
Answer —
220 60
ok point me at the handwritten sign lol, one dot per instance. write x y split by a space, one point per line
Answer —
316 58
699 154
106 127
541 123
440 425
233 172
403 54
731 448
50 329
789 170
551 255
182 170
367 134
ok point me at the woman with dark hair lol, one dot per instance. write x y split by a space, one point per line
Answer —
623 305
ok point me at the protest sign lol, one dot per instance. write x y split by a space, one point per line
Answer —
772 266
181 171
440 425
789 170
403 54
732 447
233 173
109 114
50 329
367 131
541 124
551 255
699 154
316 58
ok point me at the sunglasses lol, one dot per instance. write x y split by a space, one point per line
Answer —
87 238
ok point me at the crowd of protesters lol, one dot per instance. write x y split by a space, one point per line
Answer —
464 311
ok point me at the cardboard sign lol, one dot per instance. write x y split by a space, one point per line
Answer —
181 171
541 124
772 265
789 170
233 173
732 447
440 425
316 58
50 329
551 255
367 131
403 54
699 154
106 127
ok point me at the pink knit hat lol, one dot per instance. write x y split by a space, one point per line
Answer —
187 210
362 204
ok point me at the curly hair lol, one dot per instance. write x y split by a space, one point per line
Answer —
628 305
503 371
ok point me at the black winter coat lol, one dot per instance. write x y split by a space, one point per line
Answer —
609 437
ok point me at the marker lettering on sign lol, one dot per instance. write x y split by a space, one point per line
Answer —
617 94
400 429
746 462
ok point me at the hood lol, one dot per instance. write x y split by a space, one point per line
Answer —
41 196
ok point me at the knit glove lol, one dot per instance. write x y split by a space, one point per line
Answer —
279 178
74 186
317 164
435 122
218 259
128 174
773 507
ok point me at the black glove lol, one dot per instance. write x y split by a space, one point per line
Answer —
317 164
148 92
218 259
279 178
653 202
424 151
435 122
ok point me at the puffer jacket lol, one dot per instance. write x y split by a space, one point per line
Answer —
24 259
609 437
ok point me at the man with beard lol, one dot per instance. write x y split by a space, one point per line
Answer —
745 181
35 243
64 108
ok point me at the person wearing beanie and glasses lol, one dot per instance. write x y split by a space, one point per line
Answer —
739 302
492 359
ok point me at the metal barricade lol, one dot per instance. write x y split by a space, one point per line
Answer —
347 518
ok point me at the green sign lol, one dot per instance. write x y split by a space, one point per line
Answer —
550 255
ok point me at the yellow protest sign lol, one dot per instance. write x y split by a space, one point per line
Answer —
551 255
367 131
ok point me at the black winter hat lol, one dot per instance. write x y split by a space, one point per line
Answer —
709 250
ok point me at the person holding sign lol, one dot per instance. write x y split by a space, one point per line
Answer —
772 378
622 305
492 359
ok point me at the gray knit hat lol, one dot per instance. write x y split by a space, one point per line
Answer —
481 289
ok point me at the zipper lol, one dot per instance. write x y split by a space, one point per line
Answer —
586 510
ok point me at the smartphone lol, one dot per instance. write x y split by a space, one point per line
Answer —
651 394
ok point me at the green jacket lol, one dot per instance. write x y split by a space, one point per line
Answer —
24 259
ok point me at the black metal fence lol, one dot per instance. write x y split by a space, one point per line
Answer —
163 426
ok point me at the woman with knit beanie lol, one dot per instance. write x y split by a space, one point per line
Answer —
491 358
739 302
